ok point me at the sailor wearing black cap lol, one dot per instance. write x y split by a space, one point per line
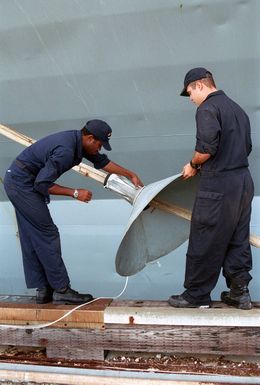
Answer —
28 183
219 235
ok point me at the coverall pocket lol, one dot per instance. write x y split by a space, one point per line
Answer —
207 208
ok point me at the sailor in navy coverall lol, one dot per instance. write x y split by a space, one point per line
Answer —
219 235
29 181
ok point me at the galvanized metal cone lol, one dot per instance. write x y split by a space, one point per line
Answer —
152 233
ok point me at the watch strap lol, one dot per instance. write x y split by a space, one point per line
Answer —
195 166
75 194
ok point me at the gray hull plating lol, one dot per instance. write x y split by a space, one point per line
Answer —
63 62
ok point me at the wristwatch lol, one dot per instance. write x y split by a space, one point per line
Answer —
195 166
75 194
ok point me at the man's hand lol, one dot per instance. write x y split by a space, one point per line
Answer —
84 195
188 171
114 168
136 180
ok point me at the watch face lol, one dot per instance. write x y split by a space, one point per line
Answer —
76 194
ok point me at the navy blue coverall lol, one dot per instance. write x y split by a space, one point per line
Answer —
26 183
219 235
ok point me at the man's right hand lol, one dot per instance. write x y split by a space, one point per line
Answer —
84 195
188 171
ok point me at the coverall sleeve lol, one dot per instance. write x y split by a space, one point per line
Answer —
99 160
60 160
208 132
249 140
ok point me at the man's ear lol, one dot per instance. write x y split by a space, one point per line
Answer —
200 85
89 138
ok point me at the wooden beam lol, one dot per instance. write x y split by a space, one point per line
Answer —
86 344
89 316
137 326
171 339
100 176
171 208
161 313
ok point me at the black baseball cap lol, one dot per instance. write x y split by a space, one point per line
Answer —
193 75
101 131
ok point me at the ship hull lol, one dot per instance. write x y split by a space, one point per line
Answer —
64 62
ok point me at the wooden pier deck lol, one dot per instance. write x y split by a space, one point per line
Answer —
133 326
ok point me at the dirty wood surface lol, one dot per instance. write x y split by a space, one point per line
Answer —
23 310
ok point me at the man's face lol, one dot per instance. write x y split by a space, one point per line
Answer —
196 94
91 145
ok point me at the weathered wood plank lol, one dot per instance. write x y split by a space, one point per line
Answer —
152 303
59 343
60 324
92 313
88 352
139 338
183 339
74 342
161 313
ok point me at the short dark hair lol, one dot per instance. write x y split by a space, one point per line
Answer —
208 81
85 132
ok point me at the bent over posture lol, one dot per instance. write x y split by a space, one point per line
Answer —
28 183
219 235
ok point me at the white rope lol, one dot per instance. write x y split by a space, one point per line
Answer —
41 326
